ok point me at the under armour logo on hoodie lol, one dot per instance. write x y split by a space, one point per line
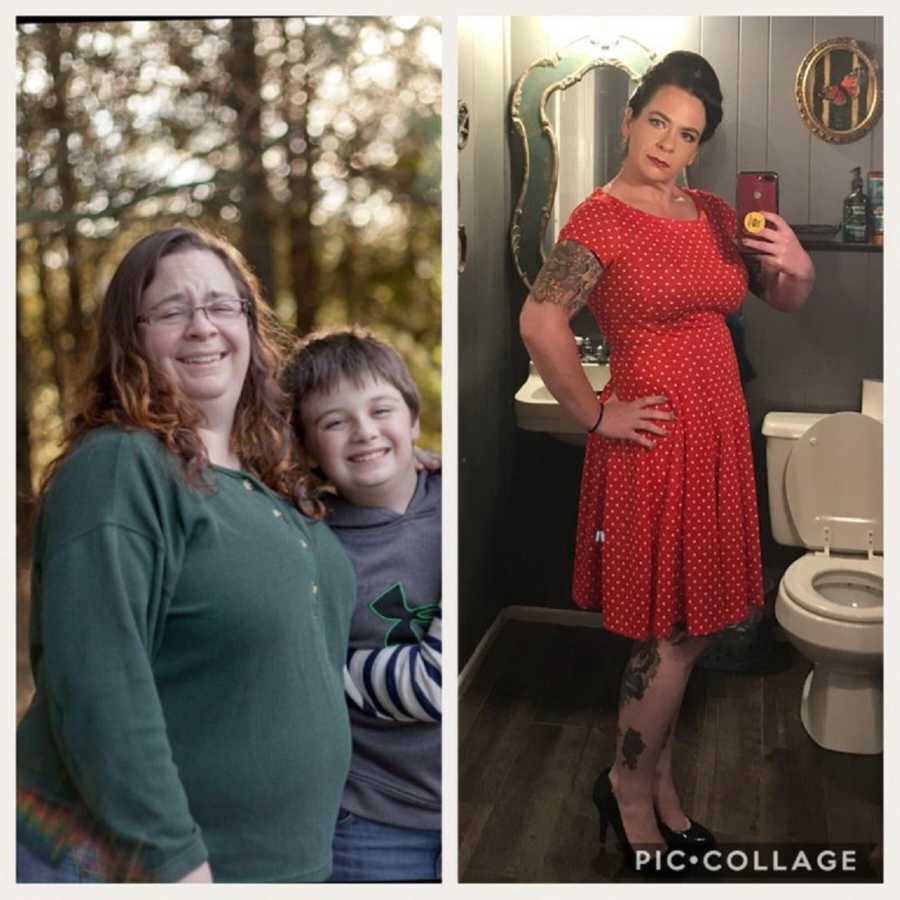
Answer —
409 622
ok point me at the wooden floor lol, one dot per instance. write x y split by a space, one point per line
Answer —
538 723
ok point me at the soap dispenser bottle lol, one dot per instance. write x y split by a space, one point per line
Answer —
856 211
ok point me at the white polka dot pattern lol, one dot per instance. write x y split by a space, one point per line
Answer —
668 534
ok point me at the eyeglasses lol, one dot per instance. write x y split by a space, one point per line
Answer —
175 315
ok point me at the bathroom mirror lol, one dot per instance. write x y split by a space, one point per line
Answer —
567 106
838 90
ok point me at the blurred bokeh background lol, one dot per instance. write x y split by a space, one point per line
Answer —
312 144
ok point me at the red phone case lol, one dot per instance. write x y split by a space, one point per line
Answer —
756 192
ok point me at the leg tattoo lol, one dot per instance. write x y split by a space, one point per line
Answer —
639 672
632 747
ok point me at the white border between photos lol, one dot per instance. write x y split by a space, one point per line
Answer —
450 433
448 12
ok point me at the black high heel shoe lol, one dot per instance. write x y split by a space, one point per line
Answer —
608 811
694 837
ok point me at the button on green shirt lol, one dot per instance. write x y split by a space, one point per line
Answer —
188 651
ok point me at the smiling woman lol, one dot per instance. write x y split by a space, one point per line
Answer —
204 350
190 610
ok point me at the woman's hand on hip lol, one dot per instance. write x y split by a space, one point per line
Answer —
631 420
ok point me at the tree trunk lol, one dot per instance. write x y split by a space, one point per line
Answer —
257 238
24 491
68 187
52 330
305 274
348 275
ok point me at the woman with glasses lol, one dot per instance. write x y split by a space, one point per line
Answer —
190 611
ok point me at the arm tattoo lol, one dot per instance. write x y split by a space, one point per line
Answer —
568 276
639 671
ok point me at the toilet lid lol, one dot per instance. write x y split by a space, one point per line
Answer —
847 589
834 482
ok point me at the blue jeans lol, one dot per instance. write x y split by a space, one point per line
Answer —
372 851
73 867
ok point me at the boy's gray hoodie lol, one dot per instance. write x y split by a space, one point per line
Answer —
395 772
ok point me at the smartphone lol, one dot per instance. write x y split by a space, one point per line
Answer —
757 192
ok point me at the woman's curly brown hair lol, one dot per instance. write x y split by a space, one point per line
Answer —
125 389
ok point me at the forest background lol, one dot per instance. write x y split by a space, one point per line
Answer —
312 144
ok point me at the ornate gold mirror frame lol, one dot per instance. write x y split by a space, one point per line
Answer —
538 144
838 90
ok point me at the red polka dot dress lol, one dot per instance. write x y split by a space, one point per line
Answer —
670 534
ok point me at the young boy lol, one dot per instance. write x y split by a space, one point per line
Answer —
357 417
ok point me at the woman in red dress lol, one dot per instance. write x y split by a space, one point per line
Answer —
667 544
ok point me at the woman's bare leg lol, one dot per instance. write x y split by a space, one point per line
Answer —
665 797
653 686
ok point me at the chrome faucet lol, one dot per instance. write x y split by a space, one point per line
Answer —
592 352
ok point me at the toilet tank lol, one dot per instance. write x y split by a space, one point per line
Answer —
781 431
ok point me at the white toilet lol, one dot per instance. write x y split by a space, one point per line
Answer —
825 493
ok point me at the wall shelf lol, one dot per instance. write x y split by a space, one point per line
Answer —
841 246
828 237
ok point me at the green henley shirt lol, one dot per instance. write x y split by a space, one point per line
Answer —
188 650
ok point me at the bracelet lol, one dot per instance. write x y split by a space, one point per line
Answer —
599 419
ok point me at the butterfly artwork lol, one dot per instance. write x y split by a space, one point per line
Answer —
845 90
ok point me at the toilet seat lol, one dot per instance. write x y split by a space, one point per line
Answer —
866 575
834 484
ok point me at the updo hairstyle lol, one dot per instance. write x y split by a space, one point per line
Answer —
690 72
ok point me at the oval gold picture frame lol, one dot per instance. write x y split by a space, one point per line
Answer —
838 90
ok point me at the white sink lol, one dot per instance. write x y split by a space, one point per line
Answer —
537 410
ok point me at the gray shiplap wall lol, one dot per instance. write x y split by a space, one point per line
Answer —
487 339
519 491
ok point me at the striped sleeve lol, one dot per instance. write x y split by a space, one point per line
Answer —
402 682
